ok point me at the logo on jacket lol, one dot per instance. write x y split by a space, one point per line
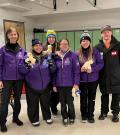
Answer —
45 64
101 54
114 53
67 61
77 63
20 56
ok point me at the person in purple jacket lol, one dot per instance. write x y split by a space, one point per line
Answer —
90 65
38 85
67 77
10 78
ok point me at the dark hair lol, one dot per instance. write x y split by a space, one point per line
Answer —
55 46
9 31
64 39
49 43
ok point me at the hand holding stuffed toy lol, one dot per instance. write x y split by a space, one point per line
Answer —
48 51
75 91
87 66
30 59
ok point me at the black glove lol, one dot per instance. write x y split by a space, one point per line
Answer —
27 64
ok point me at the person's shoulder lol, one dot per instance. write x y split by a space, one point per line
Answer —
22 49
98 46
95 51
118 43
2 48
73 54
77 52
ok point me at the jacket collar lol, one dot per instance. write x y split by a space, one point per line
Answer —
113 43
15 50
64 55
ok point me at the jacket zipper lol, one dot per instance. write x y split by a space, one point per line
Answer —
63 64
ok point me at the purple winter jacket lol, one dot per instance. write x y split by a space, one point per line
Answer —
9 61
68 70
38 77
96 67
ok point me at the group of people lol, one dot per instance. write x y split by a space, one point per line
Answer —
52 71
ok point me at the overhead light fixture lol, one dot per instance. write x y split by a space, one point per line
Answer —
54 4
93 2
67 2
32 0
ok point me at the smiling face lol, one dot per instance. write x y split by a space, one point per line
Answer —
106 36
64 45
51 40
38 48
12 36
85 43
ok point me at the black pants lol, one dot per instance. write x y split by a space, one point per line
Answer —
16 86
114 103
66 100
87 98
54 97
33 99
54 101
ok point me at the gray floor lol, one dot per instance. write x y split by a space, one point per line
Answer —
105 127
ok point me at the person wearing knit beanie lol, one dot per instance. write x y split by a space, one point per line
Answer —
51 47
36 41
50 33
90 65
85 36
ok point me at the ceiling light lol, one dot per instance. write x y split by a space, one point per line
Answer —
32 0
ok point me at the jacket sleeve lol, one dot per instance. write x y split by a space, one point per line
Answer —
76 70
23 67
1 63
99 62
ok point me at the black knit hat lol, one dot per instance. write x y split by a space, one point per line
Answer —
36 41
85 36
